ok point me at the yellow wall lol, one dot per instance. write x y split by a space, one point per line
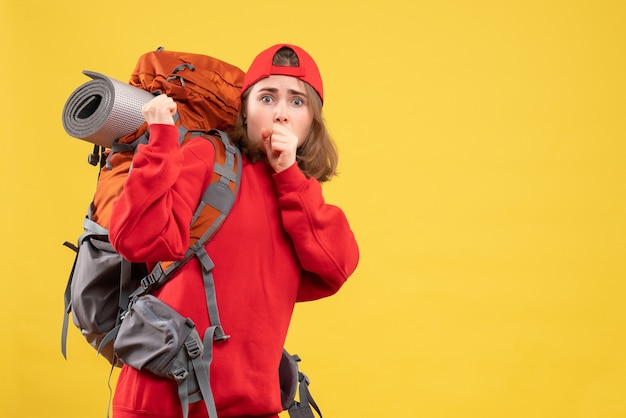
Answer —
482 158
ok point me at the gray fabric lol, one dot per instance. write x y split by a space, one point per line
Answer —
94 302
154 337
151 335
297 412
104 109
288 375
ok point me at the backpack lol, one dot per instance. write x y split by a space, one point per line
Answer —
109 297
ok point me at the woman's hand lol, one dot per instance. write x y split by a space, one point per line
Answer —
281 146
161 109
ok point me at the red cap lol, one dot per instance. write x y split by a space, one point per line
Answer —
262 68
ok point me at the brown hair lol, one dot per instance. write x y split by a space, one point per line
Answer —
317 156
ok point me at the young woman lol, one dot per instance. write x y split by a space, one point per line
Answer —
281 243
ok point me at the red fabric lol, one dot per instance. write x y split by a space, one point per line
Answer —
281 244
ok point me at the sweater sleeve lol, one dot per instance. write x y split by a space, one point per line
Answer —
150 220
323 240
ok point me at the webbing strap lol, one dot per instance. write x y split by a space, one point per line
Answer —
302 409
110 336
94 228
91 228
156 277
305 396
182 376
67 299
68 307
218 194
202 367
225 172
126 147
66 319
209 289
183 396
125 282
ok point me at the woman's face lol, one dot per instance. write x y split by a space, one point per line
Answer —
278 99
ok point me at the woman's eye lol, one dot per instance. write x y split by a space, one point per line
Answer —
298 102
266 99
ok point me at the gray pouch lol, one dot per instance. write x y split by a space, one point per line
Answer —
95 291
154 337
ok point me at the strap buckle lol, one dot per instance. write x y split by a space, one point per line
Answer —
180 374
148 281
193 348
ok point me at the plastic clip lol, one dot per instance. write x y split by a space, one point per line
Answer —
148 281
193 348
180 374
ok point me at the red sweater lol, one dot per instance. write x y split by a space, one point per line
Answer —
280 244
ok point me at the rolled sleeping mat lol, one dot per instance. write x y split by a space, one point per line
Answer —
104 109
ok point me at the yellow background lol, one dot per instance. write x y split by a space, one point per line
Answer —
482 169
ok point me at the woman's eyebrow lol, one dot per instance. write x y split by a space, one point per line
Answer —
275 90
297 93
269 89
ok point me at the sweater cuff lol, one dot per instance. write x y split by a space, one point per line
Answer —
163 137
290 180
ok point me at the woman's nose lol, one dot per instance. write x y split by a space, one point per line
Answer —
280 115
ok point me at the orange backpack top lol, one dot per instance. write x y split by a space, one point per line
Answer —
207 93
206 89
